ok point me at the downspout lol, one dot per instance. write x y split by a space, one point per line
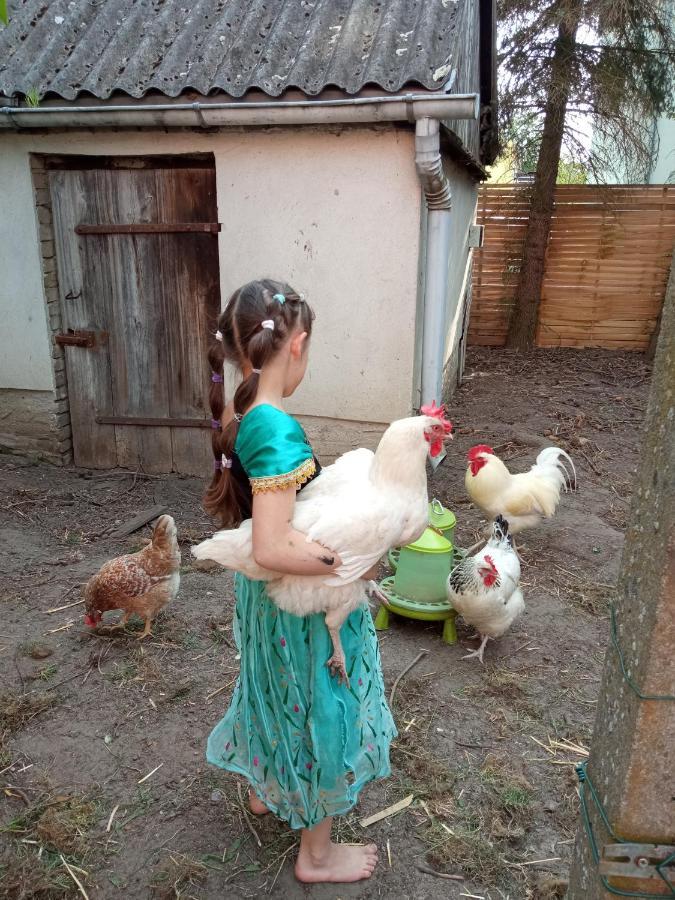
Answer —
436 283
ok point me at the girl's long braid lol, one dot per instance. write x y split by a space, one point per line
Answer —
245 340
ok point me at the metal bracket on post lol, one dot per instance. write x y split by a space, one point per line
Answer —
637 861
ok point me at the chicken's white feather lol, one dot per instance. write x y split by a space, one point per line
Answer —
359 507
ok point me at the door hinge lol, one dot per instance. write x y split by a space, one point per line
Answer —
638 861
72 338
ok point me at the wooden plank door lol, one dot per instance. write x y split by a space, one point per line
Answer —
150 290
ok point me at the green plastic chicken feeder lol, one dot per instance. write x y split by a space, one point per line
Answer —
423 568
418 589
441 519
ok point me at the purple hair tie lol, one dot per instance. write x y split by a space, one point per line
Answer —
217 379
215 424
217 465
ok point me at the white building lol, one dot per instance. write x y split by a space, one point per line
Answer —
170 159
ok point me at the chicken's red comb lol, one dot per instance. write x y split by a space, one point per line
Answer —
476 451
437 412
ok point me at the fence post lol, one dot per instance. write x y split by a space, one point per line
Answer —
632 762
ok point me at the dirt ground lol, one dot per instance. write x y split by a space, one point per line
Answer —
488 751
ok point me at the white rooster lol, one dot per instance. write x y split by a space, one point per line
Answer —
524 499
485 588
359 507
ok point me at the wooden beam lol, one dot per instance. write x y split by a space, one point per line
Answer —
139 520
150 228
153 423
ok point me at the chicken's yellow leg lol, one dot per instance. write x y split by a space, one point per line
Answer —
146 630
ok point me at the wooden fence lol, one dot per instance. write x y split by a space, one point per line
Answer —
607 264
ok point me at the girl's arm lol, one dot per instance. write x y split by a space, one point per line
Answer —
278 546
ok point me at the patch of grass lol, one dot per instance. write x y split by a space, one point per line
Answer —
60 823
485 815
5 758
469 852
48 672
51 826
17 710
589 596
179 873
510 791
73 537
125 671
27 877
63 826
191 641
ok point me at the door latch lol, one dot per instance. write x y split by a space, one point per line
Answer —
72 338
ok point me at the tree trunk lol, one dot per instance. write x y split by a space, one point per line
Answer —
523 323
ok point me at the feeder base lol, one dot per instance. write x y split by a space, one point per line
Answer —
441 611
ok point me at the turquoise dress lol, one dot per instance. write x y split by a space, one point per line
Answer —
306 743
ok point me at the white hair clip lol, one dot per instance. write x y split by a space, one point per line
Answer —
267 323
219 336
227 463
256 371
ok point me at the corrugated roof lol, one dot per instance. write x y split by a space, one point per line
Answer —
98 47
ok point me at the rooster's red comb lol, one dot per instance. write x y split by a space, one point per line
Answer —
476 451
437 412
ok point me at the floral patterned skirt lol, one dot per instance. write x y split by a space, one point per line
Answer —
306 744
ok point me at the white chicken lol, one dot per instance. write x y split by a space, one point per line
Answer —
524 499
360 507
485 588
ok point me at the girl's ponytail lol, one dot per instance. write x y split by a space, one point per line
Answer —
254 325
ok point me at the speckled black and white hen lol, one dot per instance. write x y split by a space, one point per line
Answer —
485 588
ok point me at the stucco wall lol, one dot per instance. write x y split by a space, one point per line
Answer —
25 360
335 213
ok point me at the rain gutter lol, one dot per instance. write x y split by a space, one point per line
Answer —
352 110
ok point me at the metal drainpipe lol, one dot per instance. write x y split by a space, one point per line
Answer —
436 282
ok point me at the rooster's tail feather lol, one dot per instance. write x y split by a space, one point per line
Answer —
557 457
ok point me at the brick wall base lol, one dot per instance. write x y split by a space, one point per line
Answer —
29 424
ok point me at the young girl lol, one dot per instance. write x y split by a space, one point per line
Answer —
306 743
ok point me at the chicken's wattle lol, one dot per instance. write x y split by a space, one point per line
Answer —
436 447
90 621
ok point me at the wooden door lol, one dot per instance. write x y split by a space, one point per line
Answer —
137 254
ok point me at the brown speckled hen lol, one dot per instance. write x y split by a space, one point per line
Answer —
140 583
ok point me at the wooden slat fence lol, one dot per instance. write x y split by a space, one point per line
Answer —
607 264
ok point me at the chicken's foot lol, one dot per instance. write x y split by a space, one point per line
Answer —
337 662
374 592
479 652
146 631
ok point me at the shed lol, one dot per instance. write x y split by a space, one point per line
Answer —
155 156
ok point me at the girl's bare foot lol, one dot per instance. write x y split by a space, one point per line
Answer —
338 862
257 807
